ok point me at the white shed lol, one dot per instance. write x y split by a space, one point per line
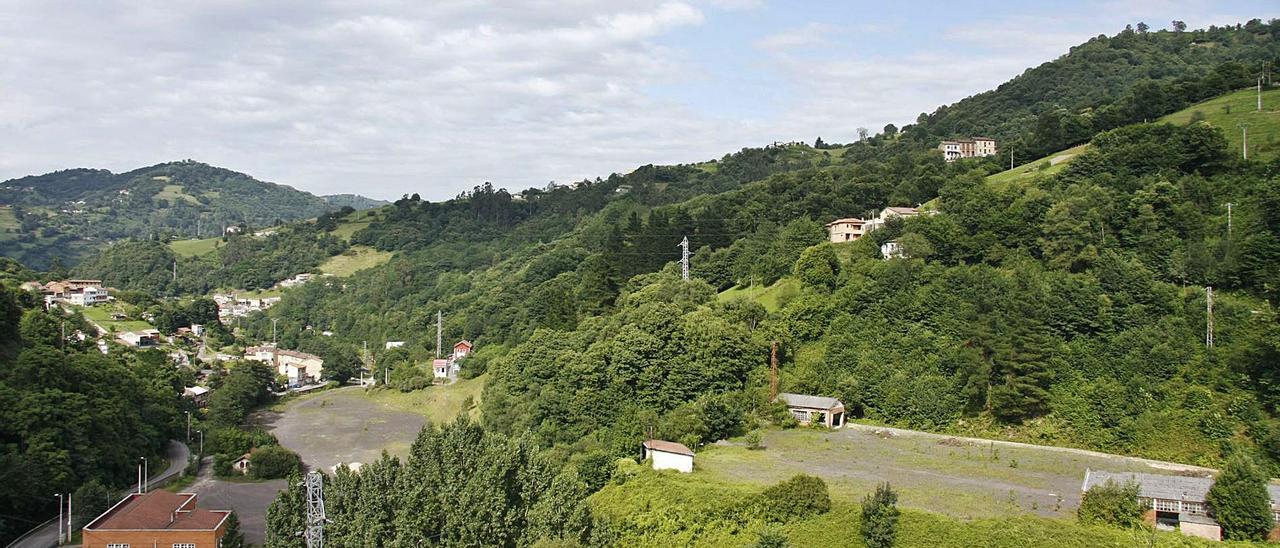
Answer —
669 455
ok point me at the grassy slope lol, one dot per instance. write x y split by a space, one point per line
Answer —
439 403
195 248
670 509
1225 112
359 257
9 224
1229 111
770 297
101 315
354 222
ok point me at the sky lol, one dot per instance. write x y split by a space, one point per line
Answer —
386 98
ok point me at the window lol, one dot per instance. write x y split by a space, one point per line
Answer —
184 545
117 546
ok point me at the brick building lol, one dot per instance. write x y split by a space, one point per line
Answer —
157 518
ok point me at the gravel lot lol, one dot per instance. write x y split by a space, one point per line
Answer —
961 477
337 426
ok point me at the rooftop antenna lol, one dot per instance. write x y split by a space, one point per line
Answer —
315 510
684 258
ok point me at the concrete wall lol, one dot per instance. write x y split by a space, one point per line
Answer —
671 461
1202 530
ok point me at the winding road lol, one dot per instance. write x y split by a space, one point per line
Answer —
46 535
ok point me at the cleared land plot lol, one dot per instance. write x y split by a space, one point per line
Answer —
353 260
354 425
770 297
9 225
173 193
1048 165
932 472
195 248
101 315
353 223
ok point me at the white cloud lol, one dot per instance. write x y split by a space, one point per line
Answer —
811 34
383 99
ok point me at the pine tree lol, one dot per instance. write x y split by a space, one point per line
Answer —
880 517
232 537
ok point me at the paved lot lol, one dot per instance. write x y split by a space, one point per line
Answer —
965 478
341 425
249 500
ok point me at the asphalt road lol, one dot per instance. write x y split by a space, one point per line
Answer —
47 535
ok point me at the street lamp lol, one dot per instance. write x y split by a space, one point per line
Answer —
146 474
188 426
59 495
201 432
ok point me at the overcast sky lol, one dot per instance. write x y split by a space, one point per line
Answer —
384 98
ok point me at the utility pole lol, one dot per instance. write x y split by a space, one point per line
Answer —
175 270
139 478
315 510
684 258
773 370
68 517
60 508
1208 327
273 330
1229 204
1244 144
1010 156
201 432
188 426
439 331
1259 94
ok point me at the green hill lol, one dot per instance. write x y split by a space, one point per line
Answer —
1226 112
68 214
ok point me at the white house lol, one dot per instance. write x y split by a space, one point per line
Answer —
892 249
669 455
441 367
394 344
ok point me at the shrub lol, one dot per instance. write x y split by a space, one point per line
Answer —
771 538
1111 503
798 497
273 462
754 440
880 517
1240 501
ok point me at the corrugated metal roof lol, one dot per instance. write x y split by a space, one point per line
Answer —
814 402
1165 487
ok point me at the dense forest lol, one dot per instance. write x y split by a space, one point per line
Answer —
56 394
70 214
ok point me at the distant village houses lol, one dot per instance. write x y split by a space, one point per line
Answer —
851 228
975 147
73 292
299 367
230 306
140 339
448 368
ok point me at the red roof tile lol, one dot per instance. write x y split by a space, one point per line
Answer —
158 510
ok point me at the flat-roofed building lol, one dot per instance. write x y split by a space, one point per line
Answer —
1176 502
814 409
157 518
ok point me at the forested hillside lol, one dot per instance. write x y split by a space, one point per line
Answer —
73 420
72 214
1109 81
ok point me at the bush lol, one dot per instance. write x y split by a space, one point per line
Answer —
771 538
880 517
1240 501
273 462
1111 503
754 441
801 496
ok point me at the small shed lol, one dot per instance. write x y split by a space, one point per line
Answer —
241 464
440 367
462 349
814 409
669 455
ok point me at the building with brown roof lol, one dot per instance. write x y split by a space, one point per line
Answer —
157 518
668 455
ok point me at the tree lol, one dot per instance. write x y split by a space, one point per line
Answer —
232 537
274 461
890 130
818 267
799 497
287 516
1143 27
91 500
1111 503
1239 500
880 517
863 133
1179 26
